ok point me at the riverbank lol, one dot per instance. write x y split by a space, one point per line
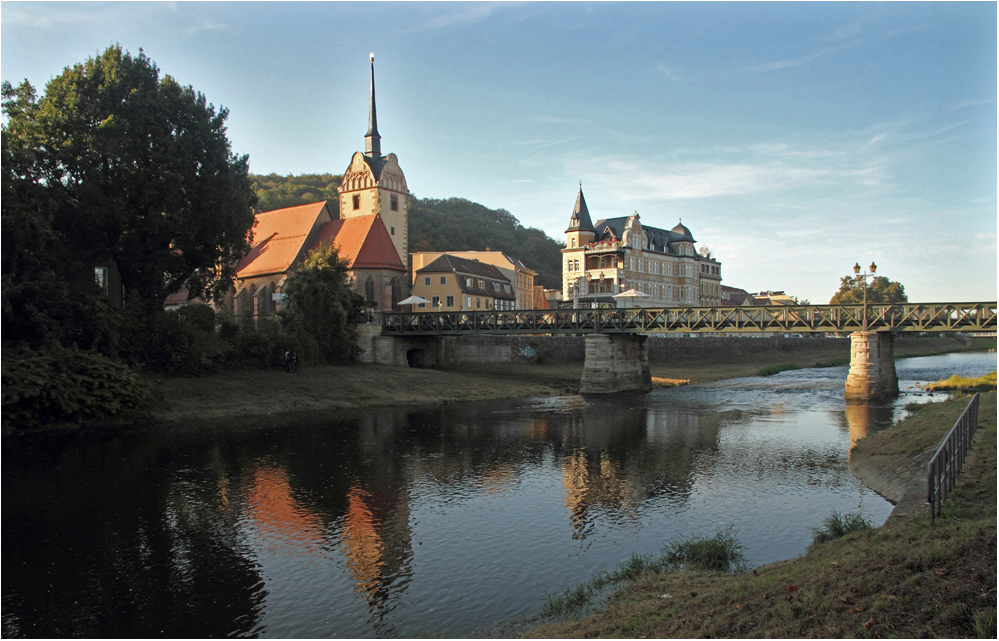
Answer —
328 388
905 579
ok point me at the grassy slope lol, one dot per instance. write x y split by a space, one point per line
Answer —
907 580
331 388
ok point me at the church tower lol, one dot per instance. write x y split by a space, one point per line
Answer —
374 184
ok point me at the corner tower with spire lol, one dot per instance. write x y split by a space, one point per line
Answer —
375 184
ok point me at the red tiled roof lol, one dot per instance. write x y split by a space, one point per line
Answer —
362 241
279 239
540 300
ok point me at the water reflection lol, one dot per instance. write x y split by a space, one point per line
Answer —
401 522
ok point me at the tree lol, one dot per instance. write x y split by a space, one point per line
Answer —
114 162
705 251
879 290
321 310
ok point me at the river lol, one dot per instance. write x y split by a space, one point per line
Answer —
402 523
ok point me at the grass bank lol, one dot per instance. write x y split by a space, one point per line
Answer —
905 579
266 393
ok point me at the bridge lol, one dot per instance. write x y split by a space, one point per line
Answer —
616 355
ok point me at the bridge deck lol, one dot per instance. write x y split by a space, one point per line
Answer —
903 317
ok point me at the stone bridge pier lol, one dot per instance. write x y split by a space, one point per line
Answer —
616 363
872 366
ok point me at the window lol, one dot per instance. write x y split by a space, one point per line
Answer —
487 303
443 280
435 301
392 230
394 204
572 242
101 278
426 281
449 301
468 302
468 282
482 284
357 202
422 305
478 302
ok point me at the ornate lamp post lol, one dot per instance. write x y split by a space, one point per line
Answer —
856 270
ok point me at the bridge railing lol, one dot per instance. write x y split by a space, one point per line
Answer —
903 317
948 460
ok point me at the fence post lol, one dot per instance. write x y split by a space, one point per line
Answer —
948 461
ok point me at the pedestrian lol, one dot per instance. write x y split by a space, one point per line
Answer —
294 361
288 364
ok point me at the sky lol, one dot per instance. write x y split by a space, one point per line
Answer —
794 140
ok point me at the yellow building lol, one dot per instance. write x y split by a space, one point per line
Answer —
521 276
619 254
454 284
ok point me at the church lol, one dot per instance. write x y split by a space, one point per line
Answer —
653 267
368 226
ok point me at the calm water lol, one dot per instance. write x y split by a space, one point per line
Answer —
408 523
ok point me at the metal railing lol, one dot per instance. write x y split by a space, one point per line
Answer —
899 317
946 464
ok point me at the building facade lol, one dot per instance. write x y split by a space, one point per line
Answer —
455 284
521 276
615 255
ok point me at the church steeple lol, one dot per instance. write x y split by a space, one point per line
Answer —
372 141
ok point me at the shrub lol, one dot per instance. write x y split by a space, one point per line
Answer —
720 553
837 525
61 384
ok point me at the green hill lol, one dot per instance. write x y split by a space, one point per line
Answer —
452 224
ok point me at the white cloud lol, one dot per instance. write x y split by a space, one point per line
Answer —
466 13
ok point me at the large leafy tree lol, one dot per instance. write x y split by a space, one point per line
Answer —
879 290
116 162
321 309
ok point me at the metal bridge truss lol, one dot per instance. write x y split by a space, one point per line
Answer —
905 317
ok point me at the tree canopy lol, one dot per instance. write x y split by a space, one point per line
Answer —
114 162
321 309
277 192
879 290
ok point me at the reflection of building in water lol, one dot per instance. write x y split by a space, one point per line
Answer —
866 417
590 479
376 540
619 459
288 526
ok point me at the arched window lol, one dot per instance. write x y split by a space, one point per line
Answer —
572 242
369 290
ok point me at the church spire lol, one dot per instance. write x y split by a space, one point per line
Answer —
372 141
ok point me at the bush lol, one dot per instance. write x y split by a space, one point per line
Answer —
61 384
720 553
837 525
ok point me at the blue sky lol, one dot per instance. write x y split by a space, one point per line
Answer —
792 139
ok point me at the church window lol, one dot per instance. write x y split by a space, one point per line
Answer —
392 231
443 280
357 202
395 292
449 301
426 281
369 290
394 204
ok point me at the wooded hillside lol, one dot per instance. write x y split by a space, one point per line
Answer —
452 224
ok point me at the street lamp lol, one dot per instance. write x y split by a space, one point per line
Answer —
856 270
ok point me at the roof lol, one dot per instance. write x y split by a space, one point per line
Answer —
735 296
659 240
362 241
540 301
580 220
279 239
464 268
